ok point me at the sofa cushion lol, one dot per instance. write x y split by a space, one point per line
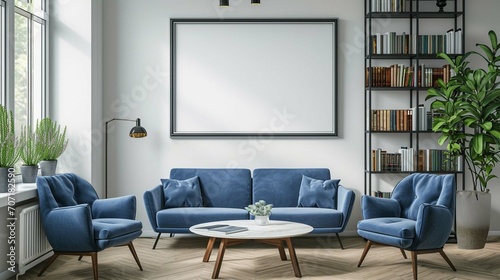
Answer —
182 193
313 216
187 217
280 186
318 193
220 187
109 228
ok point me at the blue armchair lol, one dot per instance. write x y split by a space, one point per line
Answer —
418 217
77 222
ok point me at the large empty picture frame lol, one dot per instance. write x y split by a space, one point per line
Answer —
253 77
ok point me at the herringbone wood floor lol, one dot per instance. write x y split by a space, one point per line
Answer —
320 257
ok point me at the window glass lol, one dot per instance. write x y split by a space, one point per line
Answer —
22 68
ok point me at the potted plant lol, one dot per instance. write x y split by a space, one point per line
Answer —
9 148
467 111
261 211
31 154
54 143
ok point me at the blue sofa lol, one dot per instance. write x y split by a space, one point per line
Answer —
225 192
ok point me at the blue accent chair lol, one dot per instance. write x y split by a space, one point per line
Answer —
77 222
417 218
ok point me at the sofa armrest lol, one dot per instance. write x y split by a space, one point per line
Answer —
345 203
433 226
123 207
70 228
376 207
154 202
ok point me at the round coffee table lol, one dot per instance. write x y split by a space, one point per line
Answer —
274 233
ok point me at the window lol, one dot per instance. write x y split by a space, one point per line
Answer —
29 61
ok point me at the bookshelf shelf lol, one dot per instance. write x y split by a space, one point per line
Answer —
402 39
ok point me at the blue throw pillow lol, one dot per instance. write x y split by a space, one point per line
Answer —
318 193
182 193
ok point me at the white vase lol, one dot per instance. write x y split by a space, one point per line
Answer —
473 219
262 220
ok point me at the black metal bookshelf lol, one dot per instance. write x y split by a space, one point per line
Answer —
416 13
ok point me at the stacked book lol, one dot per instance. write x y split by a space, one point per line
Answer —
429 160
393 43
389 6
399 75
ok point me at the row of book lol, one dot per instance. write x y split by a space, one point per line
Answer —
435 160
389 6
393 43
399 75
401 119
382 194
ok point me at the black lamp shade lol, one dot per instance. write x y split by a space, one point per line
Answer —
138 131
224 3
255 2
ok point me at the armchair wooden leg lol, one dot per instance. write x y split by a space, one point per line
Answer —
132 249
414 264
80 257
156 241
404 253
48 263
95 267
367 248
340 241
445 257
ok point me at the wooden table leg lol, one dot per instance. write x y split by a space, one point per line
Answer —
281 250
293 257
220 257
210 246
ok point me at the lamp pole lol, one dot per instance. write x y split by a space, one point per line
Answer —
136 132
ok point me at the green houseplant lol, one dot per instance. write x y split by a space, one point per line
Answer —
467 111
31 154
261 210
54 142
9 147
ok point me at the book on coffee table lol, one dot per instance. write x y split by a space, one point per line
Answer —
229 229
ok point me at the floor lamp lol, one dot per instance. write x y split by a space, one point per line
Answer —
136 132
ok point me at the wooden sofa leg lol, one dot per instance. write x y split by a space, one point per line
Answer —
172 234
340 241
156 242
367 248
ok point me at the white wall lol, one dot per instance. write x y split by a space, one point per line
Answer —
75 84
135 61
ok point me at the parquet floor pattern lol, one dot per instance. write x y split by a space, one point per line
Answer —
320 257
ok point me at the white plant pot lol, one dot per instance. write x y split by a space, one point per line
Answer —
473 219
262 220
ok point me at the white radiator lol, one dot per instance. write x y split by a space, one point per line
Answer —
33 246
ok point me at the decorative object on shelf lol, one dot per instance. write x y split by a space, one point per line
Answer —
31 154
136 132
10 148
261 210
468 118
441 4
53 141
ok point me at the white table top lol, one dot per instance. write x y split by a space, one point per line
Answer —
275 229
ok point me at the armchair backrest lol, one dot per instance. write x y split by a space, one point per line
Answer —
419 188
63 190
